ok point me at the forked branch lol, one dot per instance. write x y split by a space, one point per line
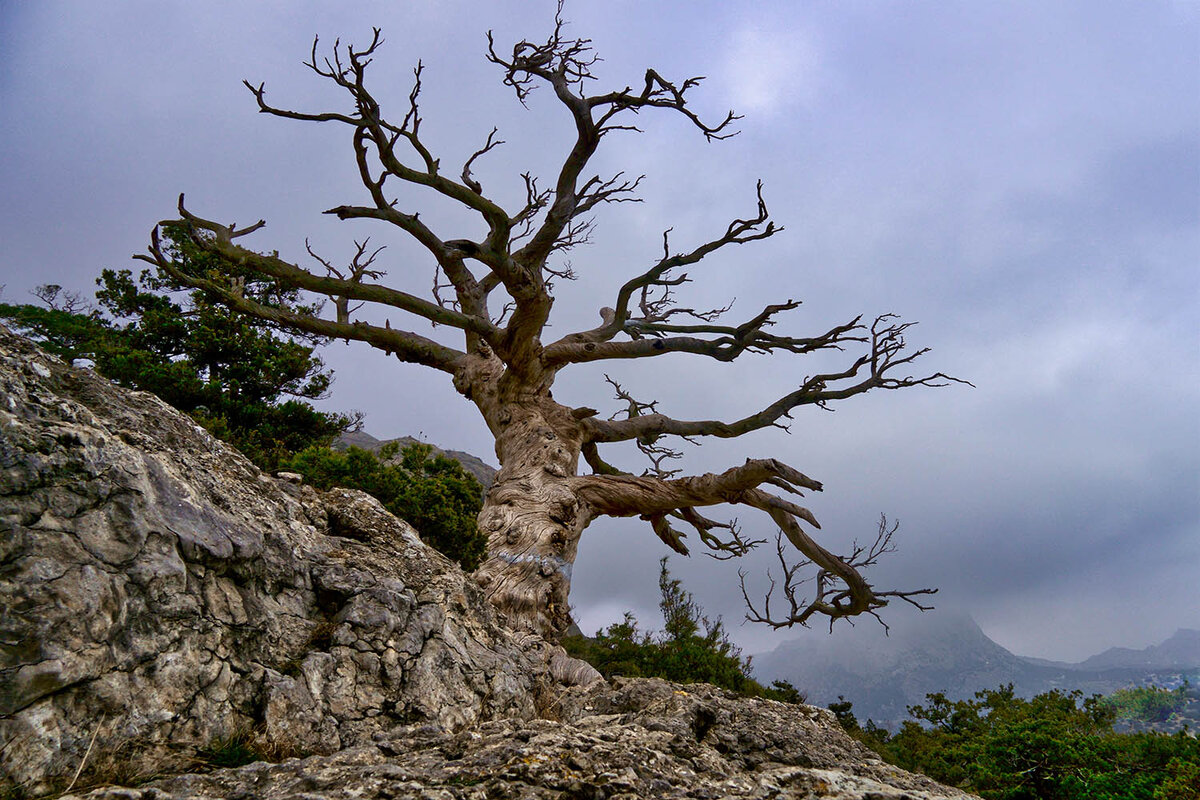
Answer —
837 588
217 242
650 445
359 267
654 289
616 494
565 65
875 369
840 588
373 133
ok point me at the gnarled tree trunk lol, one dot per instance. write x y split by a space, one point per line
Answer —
531 515
533 522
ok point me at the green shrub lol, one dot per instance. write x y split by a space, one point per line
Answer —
872 735
1147 703
1182 782
235 750
691 649
243 379
1054 746
432 493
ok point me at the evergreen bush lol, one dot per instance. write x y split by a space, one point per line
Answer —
432 493
691 649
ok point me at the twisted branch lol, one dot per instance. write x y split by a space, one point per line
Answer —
616 494
872 370
838 589
217 240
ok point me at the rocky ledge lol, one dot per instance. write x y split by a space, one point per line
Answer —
164 605
637 738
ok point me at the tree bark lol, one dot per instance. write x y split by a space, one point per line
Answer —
533 522
531 515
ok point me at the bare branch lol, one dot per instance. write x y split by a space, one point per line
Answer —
565 65
360 266
535 200
833 595
872 370
735 546
492 142
719 342
59 299
407 345
439 286
558 60
573 348
627 495
614 190
657 92
649 444
218 240
348 76
840 589
347 67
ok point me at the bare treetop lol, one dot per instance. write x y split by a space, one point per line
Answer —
497 290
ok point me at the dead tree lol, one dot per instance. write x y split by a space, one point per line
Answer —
496 290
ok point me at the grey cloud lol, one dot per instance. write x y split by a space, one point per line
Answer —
1021 177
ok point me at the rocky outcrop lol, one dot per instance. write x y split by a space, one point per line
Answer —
159 593
635 739
165 607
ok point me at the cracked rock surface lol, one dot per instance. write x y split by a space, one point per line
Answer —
638 738
160 593
161 599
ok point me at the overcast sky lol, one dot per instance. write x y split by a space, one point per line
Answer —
1023 178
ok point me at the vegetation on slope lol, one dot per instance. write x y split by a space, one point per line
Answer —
1147 704
1054 746
432 493
241 378
691 648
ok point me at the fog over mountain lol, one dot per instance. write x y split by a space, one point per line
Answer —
884 674
1181 650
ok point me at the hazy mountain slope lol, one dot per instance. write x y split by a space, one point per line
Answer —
943 652
883 675
1182 650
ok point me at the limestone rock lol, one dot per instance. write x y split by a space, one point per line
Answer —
159 593
635 739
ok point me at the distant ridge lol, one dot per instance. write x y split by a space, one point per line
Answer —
1182 650
946 652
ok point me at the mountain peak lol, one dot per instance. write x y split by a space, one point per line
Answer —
949 653
1181 650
